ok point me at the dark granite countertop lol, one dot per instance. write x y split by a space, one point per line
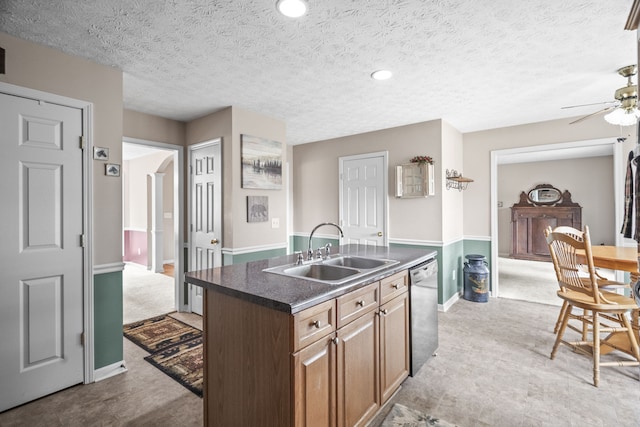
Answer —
291 295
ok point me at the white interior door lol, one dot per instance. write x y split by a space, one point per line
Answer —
206 210
363 198
41 292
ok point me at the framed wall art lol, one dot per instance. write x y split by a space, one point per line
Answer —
100 153
112 169
261 163
257 208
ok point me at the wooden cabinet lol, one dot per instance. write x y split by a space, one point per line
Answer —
333 364
394 345
529 220
315 384
358 370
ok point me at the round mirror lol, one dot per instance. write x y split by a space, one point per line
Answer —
545 195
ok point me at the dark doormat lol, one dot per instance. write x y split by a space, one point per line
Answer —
175 347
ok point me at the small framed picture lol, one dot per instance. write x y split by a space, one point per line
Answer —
112 169
100 153
257 208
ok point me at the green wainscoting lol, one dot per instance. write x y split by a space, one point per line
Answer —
451 257
107 324
228 259
301 243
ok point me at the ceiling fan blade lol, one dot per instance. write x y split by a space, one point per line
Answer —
604 110
588 105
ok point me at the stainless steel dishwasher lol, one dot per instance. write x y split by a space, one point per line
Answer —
424 313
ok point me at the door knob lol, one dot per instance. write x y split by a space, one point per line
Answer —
214 241
379 233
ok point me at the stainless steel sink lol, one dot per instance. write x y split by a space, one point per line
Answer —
321 272
358 262
334 270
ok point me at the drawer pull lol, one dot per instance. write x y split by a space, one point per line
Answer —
316 324
360 303
396 286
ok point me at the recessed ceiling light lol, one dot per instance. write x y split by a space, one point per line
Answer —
381 75
292 8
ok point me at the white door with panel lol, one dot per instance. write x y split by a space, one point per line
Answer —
41 291
206 211
363 198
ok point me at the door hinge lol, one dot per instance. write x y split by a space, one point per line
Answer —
83 142
82 339
82 240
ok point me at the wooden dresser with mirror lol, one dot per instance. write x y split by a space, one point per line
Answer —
537 209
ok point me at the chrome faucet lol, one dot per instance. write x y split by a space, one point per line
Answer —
309 250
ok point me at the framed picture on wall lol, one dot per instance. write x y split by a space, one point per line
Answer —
100 153
261 163
112 169
257 208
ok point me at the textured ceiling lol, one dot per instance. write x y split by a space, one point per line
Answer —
478 64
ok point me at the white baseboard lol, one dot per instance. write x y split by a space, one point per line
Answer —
447 305
109 371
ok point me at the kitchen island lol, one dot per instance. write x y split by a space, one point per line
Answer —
288 351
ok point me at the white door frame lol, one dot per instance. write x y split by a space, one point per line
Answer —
191 148
385 188
178 217
548 152
87 208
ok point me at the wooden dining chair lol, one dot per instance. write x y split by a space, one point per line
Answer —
603 282
607 310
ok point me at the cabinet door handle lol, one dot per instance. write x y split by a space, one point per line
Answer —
384 311
316 324
360 303
336 340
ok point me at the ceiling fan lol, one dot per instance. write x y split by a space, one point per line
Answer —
625 107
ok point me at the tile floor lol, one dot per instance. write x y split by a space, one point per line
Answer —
492 369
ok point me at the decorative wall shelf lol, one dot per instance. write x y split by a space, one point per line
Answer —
456 181
415 180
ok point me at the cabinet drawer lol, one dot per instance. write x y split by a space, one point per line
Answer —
392 286
354 304
313 323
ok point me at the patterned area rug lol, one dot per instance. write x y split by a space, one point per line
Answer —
182 362
159 332
401 416
175 347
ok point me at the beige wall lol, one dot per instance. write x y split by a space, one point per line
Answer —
315 179
592 190
452 201
41 68
229 124
477 158
153 128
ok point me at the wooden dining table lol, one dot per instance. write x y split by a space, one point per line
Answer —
621 258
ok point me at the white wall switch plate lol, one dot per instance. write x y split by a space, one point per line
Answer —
275 222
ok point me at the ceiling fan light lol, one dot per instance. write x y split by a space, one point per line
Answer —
623 117
292 8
